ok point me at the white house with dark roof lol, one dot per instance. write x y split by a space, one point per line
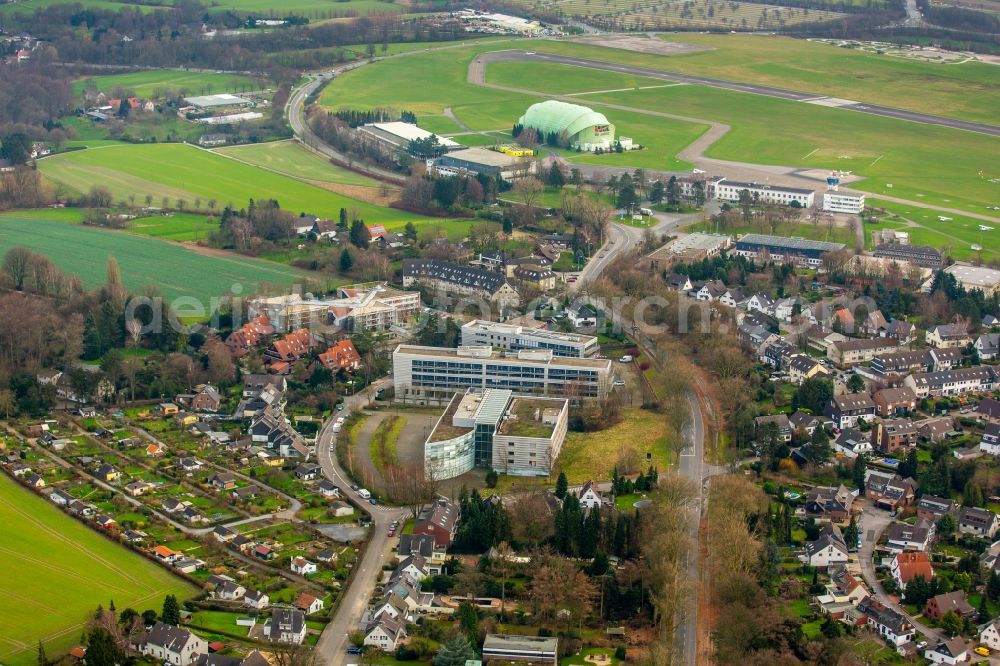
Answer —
828 549
174 645
990 442
385 633
989 634
257 599
951 652
590 496
847 409
977 522
286 625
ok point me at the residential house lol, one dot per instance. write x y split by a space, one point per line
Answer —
224 534
931 508
806 422
228 590
678 282
440 521
256 599
977 379
414 566
907 566
951 652
952 601
848 409
852 443
903 537
934 430
138 488
302 566
778 421
833 504
309 604
174 645
341 356
286 625
848 585
760 302
987 346
328 489
107 472
829 548
384 633
890 492
502 649
249 336
891 434
893 401
902 330
874 325
34 481
890 624
988 410
945 359
989 634
308 471
977 522
206 399
165 554
801 367
990 442
283 353
709 290
854 351
948 336
340 509
222 481
590 496
459 279
901 363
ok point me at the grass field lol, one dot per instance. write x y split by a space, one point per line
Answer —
953 236
313 9
933 164
180 171
57 571
290 158
155 83
967 90
592 455
176 270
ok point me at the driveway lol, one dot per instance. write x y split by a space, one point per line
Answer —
873 523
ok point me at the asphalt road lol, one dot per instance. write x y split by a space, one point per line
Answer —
767 91
333 642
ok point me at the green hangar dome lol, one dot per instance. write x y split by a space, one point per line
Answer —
584 128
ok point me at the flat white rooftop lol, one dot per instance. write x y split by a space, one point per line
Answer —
411 132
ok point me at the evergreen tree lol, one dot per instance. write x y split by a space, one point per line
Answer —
171 611
858 473
102 650
908 468
556 177
92 344
673 191
590 534
993 586
951 624
856 384
410 231
455 652
346 262
656 192
819 450
468 620
342 220
359 234
43 659
562 484
972 495
946 528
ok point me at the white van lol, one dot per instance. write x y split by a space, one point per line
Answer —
646 211
627 358
337 427
364 493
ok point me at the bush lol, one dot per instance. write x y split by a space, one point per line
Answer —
620 652
406 653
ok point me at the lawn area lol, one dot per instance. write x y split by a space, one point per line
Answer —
592 455
967 90
175 226
58 571
156 83
290 158
954 236
179 171
174 269
383 445
217 621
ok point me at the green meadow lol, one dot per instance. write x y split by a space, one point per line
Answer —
176 270
57 571
178 171
291 159
148 83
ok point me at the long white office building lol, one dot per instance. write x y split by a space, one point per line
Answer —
729 190
843 202
432 375
517 338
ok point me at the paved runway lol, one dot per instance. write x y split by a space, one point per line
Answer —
781 93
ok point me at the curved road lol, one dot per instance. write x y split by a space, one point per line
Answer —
354 599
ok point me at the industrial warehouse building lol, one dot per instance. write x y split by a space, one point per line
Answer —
799 251
431 375
729 190
584 128
395 136
496 429
515 338
472 161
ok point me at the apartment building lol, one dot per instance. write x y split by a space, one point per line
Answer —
517 338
